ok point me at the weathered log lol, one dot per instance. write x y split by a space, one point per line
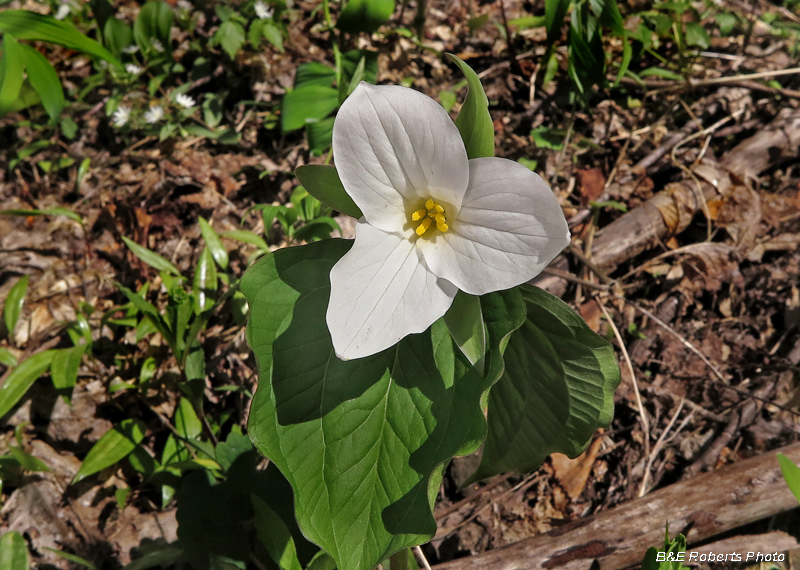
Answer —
670 211
700 508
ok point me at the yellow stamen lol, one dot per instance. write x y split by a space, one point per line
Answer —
423 227
439 208
442 227
419 214
439 219
430 204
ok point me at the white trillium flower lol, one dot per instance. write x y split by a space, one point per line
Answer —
433 221
262 10
184 101
121 116
154 114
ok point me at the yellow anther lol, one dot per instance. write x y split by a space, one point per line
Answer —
442 227
432 214
439 219
430 204
418 215
439 208
423 227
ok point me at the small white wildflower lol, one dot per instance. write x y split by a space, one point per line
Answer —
262 10
184 101
63 12
103 64
185 5
154 114
121 116
133 69
133 48
157 45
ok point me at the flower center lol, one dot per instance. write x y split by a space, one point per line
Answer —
432 213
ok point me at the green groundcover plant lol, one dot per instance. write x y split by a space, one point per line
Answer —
382 358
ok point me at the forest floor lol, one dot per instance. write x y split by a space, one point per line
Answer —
716 381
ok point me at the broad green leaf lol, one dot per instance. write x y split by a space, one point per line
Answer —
11 73
117 35
275 536
154 22
474 121
151 258
229 450
13 552
313 73
351 61
22 378
557 389
45 80
362 442
14 302
307 102
324 184
791 473
697 36
204 285
319 135
231 37
365 15
114 446
218 251
726 22
64 371
27 25
465 323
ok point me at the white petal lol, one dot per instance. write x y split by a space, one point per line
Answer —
509 228
392 143
382 291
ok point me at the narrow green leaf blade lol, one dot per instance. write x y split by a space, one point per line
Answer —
204 285
64 371
474 121
22 378
218 251
114 446
45 80
791 473
45 212
324 184
151 258
13 552
11 73
275 536
14 302
27 25
154 22
557 389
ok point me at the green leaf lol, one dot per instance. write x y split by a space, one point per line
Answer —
791 473
13 306
313 73
11 73
45 80
307 102
154 22
64 371
231 37
474 121
218 251
319 135
117 35
362 442
7 358
152 314
22 378
13 552
151 258
545 137
554 13
663 73
275 536
187 423
465 322
247 237
27 461
46 212
726 22
72 557
557 389
204 285
114 446
365 15
324 184
697 36
27 25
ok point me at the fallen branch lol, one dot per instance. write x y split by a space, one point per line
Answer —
701 508
671 211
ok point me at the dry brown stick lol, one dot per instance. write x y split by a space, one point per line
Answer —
670 211
701 508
